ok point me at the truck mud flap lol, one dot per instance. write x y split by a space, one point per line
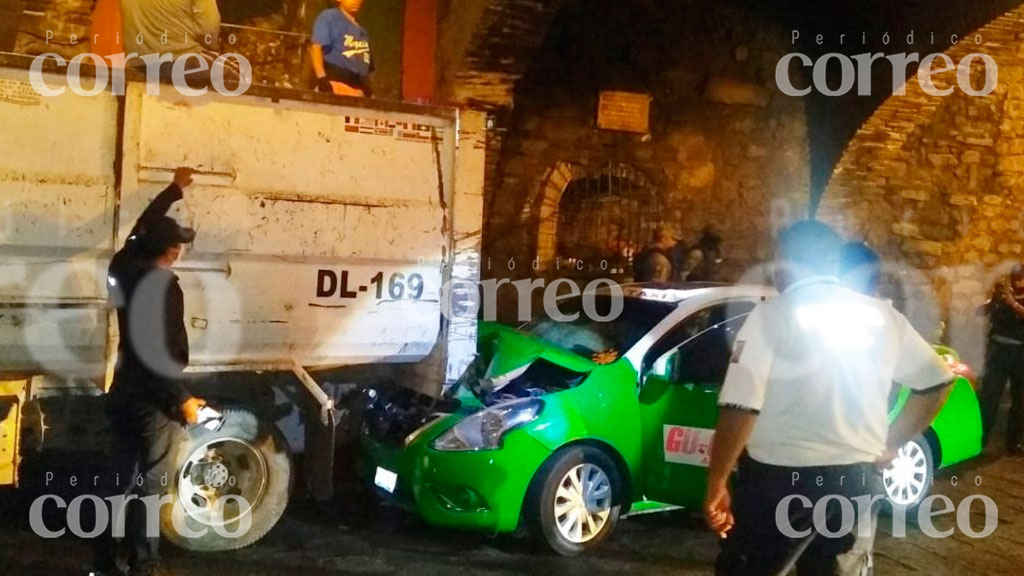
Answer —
321 426
320 451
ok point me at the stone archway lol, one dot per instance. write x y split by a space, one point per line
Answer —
545 210
936 183
485 46
613 210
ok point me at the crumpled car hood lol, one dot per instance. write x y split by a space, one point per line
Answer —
513 364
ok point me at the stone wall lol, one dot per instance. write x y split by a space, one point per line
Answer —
484 46
936 184
726 149
68 20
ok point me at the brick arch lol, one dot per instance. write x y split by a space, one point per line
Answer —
544 207
937 182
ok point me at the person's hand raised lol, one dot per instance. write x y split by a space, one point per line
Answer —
183 177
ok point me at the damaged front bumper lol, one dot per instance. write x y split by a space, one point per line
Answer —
478 490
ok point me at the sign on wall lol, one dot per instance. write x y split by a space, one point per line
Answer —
624 111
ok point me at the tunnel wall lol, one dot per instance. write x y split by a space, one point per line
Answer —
726 149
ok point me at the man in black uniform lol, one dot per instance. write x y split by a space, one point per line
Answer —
147 401
1005 359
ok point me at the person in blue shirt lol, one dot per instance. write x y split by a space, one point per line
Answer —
340 52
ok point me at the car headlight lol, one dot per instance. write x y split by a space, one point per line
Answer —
484 430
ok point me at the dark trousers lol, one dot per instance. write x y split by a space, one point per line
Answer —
144 454
756 545
1003 362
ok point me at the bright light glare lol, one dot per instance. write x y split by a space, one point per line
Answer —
841 325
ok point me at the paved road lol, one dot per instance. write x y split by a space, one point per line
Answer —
353 536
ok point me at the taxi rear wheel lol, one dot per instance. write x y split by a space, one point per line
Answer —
908 478
577 500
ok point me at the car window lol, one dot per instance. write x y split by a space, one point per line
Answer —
695 324
703 359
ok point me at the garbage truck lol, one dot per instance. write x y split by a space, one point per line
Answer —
335 236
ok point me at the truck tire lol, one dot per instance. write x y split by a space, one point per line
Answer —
576 500
231 485
908 478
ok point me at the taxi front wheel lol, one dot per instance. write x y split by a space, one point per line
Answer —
576 500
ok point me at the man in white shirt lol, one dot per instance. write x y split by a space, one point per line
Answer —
803 410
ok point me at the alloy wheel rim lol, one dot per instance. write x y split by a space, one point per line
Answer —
222 481
905 478
583 503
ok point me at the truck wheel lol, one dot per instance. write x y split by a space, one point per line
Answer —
908 478
231 485
577 502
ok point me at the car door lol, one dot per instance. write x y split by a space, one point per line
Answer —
678 404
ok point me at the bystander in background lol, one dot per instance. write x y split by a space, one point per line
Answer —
699 262
1004 359
654 262
340 52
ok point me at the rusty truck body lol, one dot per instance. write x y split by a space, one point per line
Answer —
329 233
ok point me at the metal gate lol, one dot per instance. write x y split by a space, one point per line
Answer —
605 217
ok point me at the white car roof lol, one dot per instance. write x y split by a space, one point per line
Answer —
688 298
676 293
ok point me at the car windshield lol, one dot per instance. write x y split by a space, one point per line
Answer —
589 334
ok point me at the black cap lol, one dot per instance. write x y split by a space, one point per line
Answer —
164 232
